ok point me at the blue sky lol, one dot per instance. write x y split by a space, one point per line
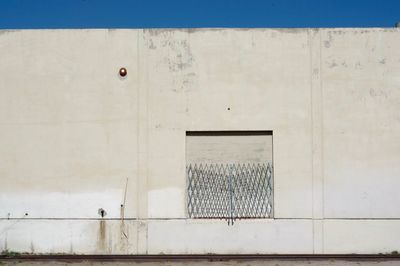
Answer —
32 14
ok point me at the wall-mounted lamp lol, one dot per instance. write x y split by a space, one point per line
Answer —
123 72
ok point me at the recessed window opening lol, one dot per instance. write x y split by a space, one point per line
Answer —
229 175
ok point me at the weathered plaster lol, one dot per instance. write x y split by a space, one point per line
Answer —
75 137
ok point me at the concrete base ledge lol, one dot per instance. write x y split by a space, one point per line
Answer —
201 257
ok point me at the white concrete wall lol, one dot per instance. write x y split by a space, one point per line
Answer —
76 137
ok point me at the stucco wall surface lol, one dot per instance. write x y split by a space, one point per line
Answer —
75 137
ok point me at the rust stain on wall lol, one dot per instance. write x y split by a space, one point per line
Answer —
102 232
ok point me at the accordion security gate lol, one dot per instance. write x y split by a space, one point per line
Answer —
230 191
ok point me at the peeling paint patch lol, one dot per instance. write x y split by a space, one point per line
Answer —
328 43
292 30
4 32
182 57
151 45
377 93
222 30
333 64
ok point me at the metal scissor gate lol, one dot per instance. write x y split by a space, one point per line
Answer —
230 191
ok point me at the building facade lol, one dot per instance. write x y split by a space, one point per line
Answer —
95 160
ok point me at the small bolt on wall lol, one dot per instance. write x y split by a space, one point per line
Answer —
102 212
